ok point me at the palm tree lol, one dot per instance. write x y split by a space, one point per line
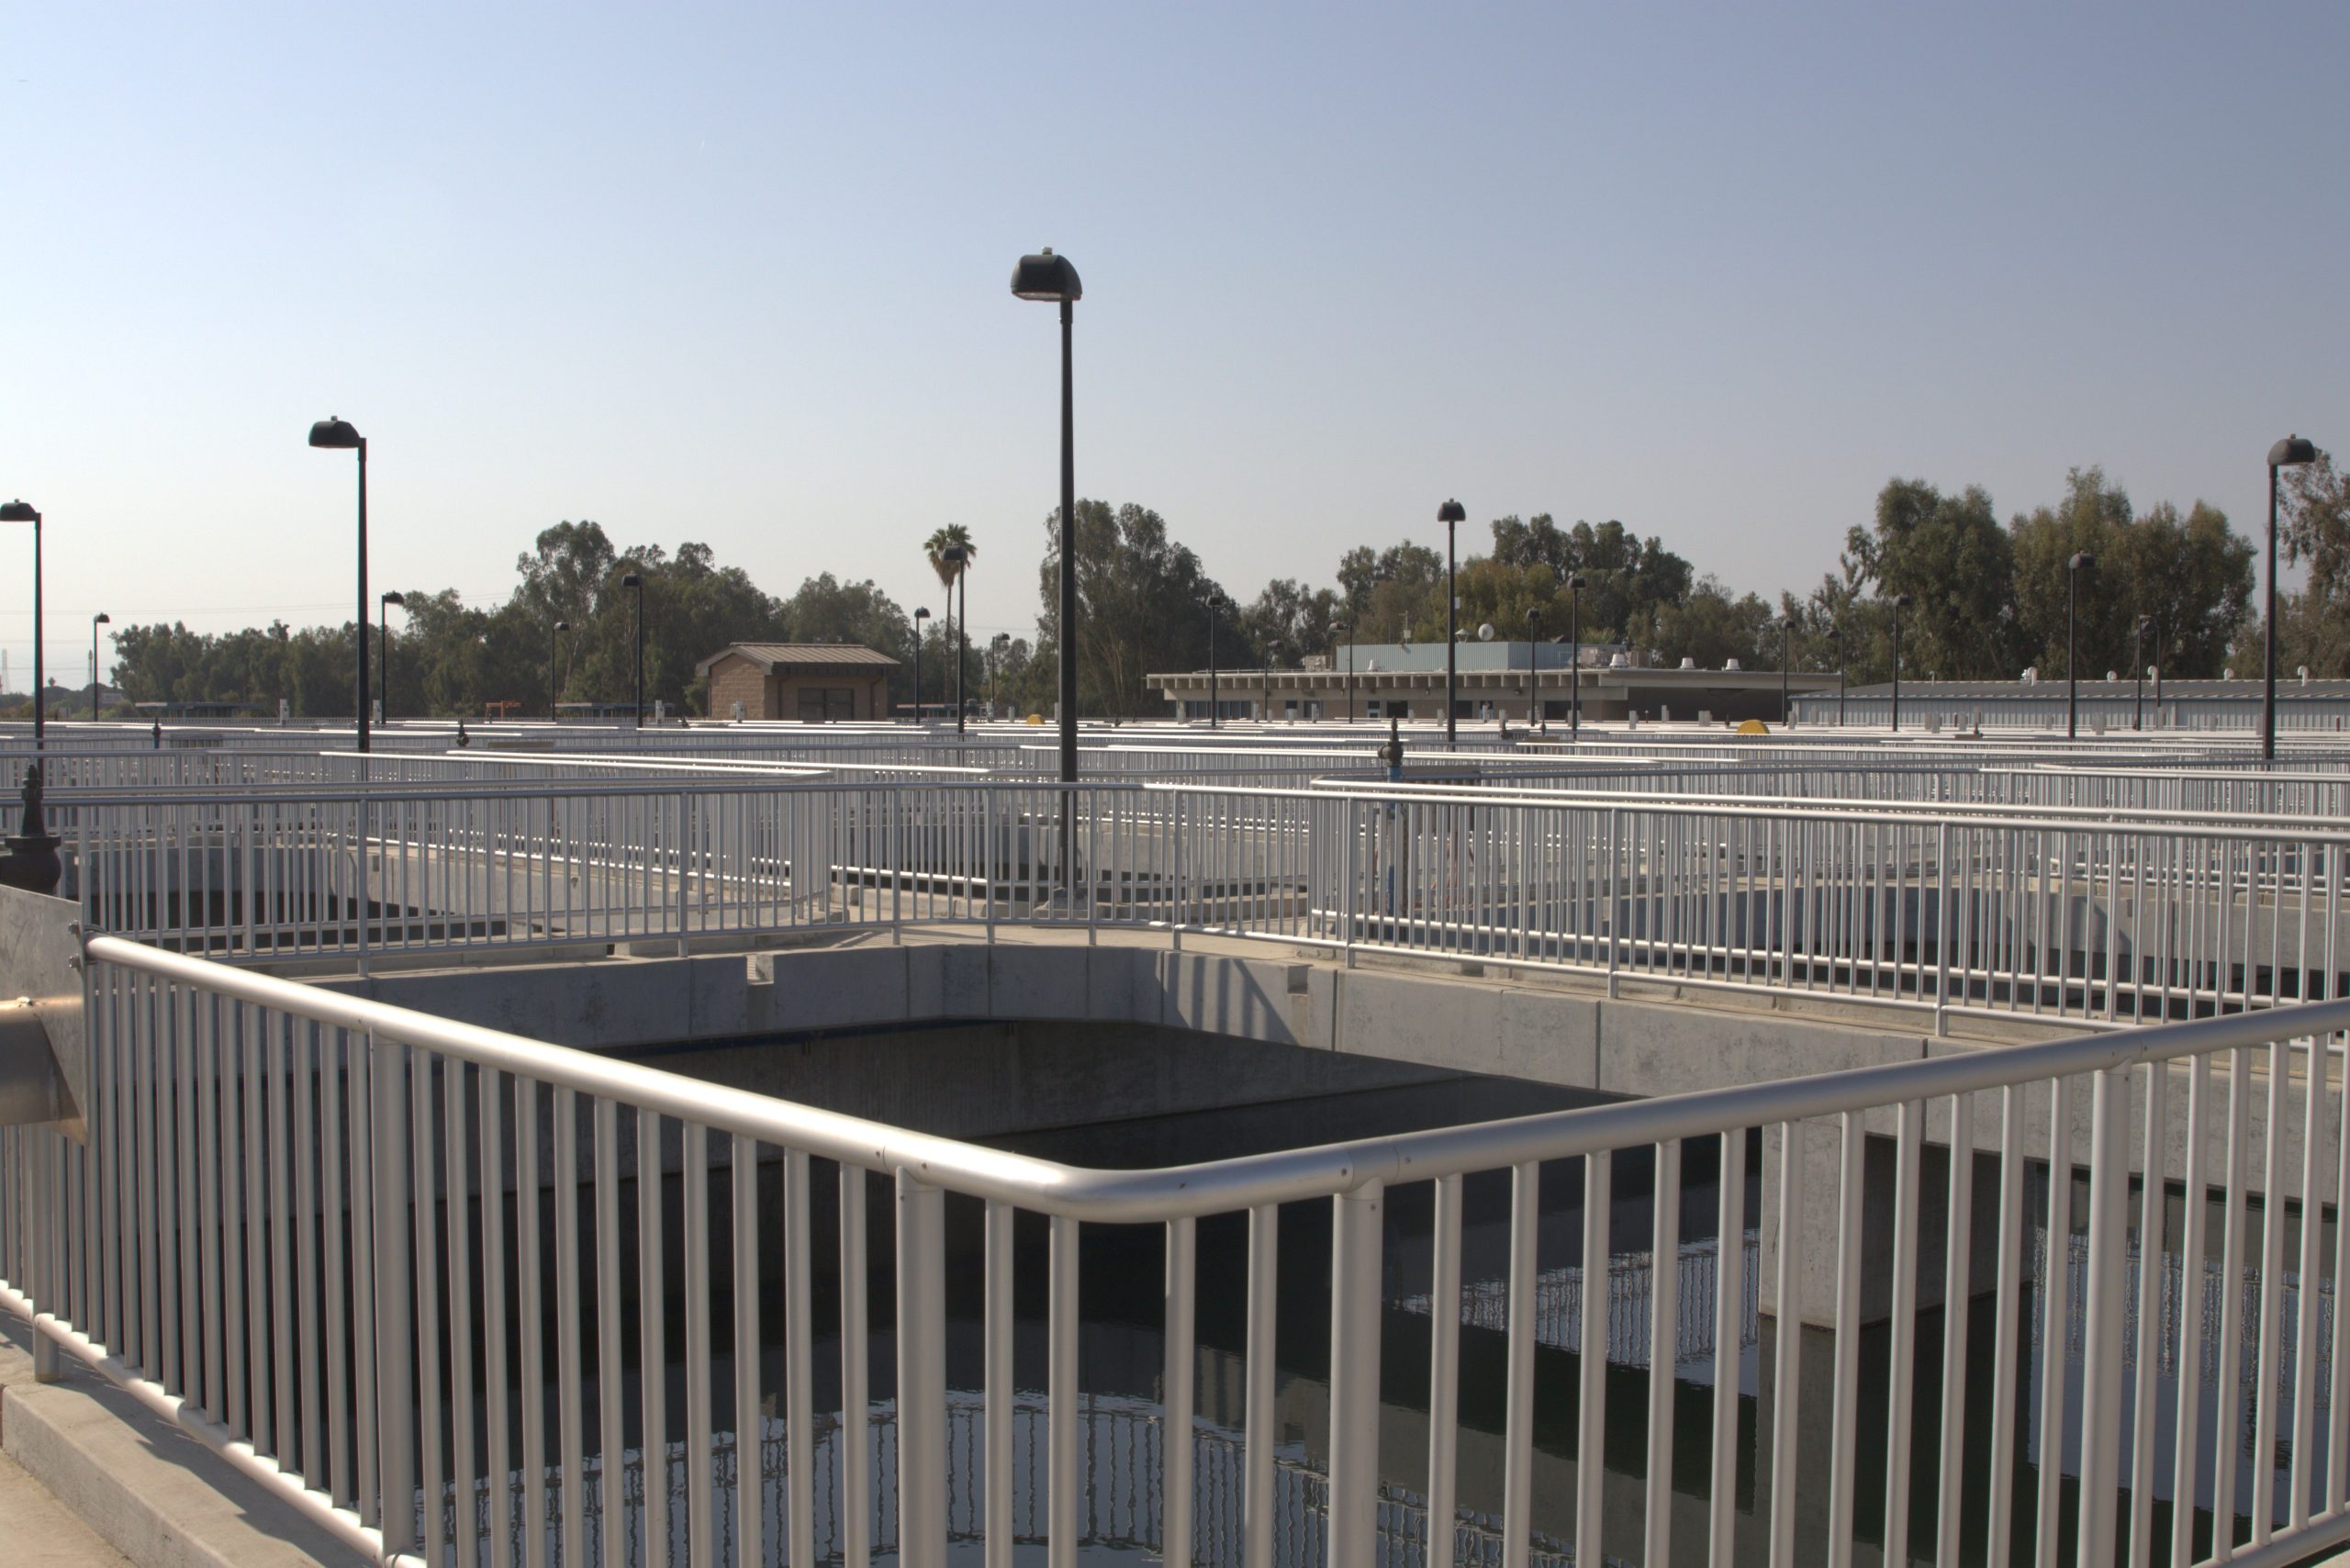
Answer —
936 548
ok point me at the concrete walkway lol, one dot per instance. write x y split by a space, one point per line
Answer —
43 1532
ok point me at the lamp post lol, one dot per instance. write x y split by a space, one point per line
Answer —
960 559
555 670
1900 603
1045 276
384 653
634 583
335 433
1837 631
100 618
1534 668
23 511
1786 648
1347 628
2138 669
1452 514
1575 655
2290 453
922 614
2080 563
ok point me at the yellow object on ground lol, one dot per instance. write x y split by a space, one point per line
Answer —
1754 727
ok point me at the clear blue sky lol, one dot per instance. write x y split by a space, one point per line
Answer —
739 275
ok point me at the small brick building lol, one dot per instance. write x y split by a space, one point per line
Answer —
813 682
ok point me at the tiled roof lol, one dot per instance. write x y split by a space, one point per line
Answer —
769 657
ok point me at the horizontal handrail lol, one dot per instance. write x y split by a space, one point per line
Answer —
1248 1180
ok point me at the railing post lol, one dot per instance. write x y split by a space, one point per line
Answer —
1943 913
922 1374
1346 888
2103 1304
396 1394
1615 898
1175 883
1355 1308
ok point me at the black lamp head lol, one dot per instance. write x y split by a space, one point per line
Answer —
18 511
563 625
2084 561
335 431
2292 451
633 581
399 599
1534 615
1901 601
1453 511
1574 583
101 619
922 614
953 555
1046 277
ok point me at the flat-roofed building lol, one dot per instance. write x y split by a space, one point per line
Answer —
813 682
1496 679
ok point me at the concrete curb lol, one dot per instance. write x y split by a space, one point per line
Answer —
151 1490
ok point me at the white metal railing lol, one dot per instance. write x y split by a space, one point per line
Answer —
277 1232
2066 913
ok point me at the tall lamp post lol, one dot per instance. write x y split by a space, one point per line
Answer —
959 558
2082 562
384 653
1837 631
634 583
1217 602
2138 669
1346 628
1452 514
555 670
922 614
1900 603
2290 453
1534 668
335 433
1048 277
24 511
1575 655
100 618
1786 650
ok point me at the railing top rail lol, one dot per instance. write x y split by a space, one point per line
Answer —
1220 1186
1799 808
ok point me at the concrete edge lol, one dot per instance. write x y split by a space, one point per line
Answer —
149 1490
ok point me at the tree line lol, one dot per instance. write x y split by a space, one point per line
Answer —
1987 599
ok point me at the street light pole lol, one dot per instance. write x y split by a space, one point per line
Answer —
2138 674
555 670
2290 453
1215 603
1837 631
922 614
335 433
634 583
1786 649
1575 655
1045 276
1452 514
2080 563
1534 668
384 653
100 618
959 557
1900 603
22 512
